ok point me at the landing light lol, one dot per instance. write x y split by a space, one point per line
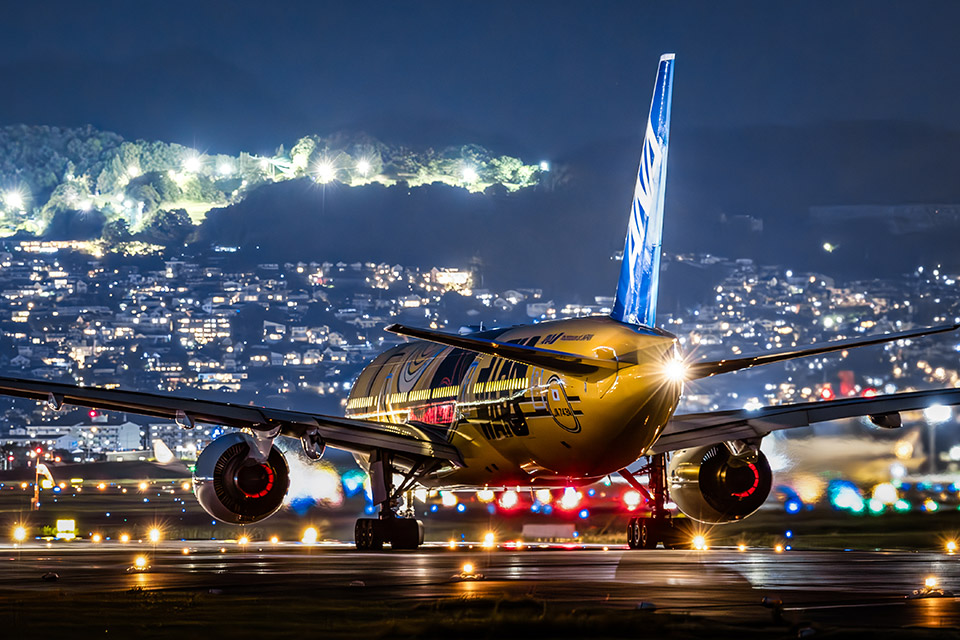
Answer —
930 582
700 543
467 568
140 563
675 370
951 546
310 536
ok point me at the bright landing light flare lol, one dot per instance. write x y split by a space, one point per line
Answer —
675 370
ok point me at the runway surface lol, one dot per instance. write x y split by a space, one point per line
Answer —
863 589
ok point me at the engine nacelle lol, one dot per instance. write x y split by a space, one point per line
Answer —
712 485
235 488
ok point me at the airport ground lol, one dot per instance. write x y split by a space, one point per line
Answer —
291 589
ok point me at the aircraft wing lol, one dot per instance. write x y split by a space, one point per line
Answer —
697 429
563 362
360 436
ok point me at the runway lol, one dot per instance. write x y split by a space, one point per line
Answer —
843 589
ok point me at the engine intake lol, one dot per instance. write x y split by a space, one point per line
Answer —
235 488
712 485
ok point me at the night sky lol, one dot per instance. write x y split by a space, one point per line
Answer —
540 77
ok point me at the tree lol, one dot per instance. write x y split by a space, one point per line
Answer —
167 227
116 231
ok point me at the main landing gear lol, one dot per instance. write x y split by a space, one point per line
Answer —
402 531
659 527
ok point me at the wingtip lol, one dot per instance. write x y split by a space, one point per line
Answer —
668 56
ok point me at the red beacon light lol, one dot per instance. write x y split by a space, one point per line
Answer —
827 393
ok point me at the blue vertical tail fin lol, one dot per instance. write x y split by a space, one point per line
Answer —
636 301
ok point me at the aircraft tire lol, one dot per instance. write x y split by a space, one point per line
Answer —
404 533
633 533
368 534
647 538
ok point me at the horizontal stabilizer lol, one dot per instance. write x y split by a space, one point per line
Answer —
559 361
698 370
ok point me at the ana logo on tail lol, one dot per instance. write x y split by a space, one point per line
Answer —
636 301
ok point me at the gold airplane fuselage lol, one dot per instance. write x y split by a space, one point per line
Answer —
519 425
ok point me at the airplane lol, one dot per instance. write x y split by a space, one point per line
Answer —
552 404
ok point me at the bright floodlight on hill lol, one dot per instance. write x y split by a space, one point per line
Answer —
363 167
13 199
192 163
470 174
325 171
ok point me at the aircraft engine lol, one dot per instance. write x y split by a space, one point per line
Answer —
712 485
235 488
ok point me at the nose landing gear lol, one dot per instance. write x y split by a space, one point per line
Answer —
646 532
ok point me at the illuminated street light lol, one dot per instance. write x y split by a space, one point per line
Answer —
124 537
243 541
20 533
140 563
700 543
154 535
951 546
310 536
930 582
274 539
96 538
143 486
